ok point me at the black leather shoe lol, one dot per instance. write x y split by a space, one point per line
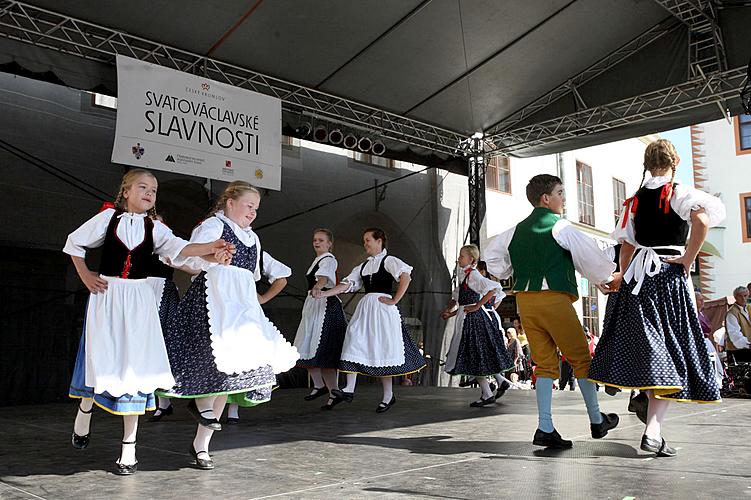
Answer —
492 387
162 412
502 390
316 394
609 421
233 420
468 382
347 397
639 404
612 391
659 448
384 407
209 423
125 470
551 440
201 463
80 442
483 402
331 403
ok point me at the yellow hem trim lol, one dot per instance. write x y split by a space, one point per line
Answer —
688 400
386 376
662 392
121 413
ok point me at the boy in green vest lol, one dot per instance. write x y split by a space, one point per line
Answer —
542 252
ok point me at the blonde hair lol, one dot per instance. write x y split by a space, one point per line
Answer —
233 191
473 252
512 332
325 231
126 183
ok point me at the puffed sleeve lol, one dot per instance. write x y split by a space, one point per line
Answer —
588 259
497 257
327 269
685 199
624 231
396 267
483 285
354 279
207 231
273 269
166 244
89 235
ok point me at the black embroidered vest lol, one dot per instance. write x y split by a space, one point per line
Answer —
311 276
120 262
654 227
379 282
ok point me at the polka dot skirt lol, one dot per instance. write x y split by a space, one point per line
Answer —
334 328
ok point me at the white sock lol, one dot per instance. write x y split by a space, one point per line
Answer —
485 386
656 412
388 389
315 374
204 404
233 411
128 451
201 442
351 382
163 403
82 424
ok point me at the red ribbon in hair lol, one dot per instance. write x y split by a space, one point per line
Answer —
630 204
106 205
665 195
467 272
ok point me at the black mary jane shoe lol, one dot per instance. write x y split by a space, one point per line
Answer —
609 421
233 420
125 470
81 442
551 440
201 463
347 397
658 447
163 412
384 407
331 403
502 390
482 402
317 393
209 423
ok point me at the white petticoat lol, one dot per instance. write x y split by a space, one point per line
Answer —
125 351
374 335
456 338
242 337
311 325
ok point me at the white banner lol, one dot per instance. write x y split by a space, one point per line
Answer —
170 120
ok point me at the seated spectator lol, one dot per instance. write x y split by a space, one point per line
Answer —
738 327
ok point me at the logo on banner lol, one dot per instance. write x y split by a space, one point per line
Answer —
205 87
170 159
137 151
227 163
259 173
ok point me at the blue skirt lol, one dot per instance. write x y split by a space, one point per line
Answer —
653 341
482 350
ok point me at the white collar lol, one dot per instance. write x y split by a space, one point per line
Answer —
374 257
234 225
657 181
131 215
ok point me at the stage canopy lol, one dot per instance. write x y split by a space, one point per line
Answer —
536 77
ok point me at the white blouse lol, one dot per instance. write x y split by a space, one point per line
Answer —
212 228
588 258
394 266
684 200
478 283
326 268
130 230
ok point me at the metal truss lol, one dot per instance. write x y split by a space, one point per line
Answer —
708 89
706 46
570 87
29 24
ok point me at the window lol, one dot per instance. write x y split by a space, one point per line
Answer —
590 309
619 196
104 101
585 191
378 161
746 217
498 175
743 134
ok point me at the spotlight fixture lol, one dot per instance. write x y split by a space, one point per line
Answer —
336 137
378 148
349 141
321 133
303 130
364 144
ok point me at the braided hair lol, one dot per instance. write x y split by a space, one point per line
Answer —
127 182
658 157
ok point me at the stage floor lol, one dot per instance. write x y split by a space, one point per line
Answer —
430 445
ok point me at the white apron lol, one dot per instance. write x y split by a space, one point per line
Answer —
374 335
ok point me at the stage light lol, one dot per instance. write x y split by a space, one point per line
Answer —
349 141
303 130
364 144
321 133
378 148
336 137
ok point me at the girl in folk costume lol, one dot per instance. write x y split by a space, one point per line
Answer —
377 343
220 342
477 347
122 359
651 337
321 332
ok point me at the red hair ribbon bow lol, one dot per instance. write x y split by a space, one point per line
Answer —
106 205
630 204
665 195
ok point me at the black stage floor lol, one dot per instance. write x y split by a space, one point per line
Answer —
430 445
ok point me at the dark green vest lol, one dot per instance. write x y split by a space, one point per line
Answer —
536 255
